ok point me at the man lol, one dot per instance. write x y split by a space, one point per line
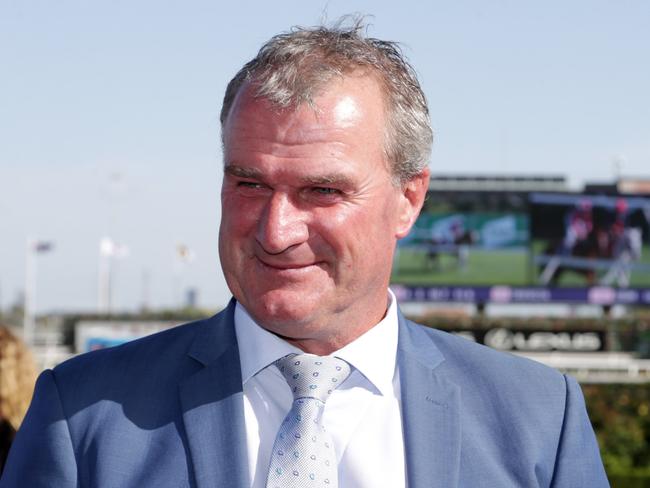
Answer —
326 139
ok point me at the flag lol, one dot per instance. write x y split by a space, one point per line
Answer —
42 246
185 254
108 247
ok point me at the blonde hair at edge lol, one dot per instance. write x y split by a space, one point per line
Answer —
17 378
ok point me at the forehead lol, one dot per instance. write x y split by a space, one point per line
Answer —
352 104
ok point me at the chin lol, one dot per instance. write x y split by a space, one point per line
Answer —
280 308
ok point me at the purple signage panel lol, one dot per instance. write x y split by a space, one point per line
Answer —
597 295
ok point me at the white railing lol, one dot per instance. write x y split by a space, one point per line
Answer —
596 367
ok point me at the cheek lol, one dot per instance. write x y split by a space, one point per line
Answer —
238 218
236 233
356 230
335 224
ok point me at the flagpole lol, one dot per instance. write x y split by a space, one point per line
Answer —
177 299
30 292
109 285
109 252
183 257
104 283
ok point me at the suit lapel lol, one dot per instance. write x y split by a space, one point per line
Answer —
212 403
430 412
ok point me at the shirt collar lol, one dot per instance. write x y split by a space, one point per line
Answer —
257 346
373 354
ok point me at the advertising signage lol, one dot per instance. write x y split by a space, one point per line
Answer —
556 247
599 295
506 339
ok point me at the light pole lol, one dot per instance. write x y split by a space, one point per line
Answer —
108 251
184 256
32 249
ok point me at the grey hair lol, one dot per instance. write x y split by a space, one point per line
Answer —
291 69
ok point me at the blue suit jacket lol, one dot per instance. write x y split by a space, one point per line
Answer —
167 411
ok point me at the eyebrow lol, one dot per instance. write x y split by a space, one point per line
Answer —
328 179
240 171
324 179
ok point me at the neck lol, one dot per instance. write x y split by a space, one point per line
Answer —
326 339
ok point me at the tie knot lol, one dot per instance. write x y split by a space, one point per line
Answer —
311 376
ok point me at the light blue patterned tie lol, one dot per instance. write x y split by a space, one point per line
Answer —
303 454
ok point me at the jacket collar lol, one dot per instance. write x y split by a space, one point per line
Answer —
212 403
430 411
212 406
215 337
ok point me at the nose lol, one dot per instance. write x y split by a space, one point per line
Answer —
281 225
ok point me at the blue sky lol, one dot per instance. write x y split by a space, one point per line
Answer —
109 118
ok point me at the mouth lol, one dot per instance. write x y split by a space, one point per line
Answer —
288 267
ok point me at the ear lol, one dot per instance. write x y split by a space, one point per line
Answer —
412 194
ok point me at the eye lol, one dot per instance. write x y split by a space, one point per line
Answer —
323 190
250 187
248 184
323 195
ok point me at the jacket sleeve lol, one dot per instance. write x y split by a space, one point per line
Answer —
42 454
578 463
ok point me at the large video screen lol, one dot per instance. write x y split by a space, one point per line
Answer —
590 240
464 247
550 245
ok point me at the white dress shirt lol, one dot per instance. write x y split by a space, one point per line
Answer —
362 415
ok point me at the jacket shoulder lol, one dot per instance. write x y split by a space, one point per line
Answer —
150 367
481 365
175 340
518 416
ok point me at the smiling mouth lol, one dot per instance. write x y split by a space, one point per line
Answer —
286 266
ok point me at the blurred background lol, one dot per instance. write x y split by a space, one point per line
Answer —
535 238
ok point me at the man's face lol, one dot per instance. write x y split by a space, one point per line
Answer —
310 215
